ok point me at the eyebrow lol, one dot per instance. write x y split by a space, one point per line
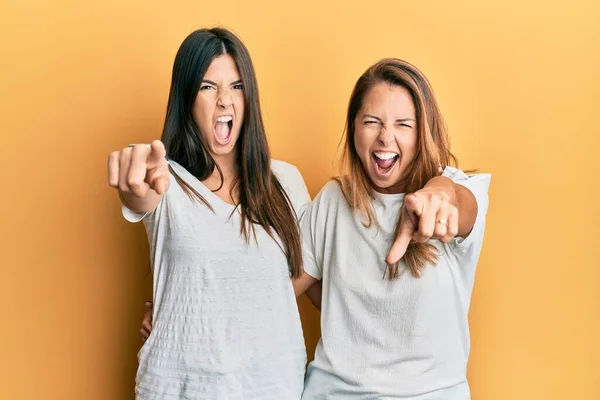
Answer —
380 120
214 84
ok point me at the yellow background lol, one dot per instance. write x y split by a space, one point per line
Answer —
518 82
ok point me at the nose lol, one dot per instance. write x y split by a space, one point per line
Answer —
385 137
224 99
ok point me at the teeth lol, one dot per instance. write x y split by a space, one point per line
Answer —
225 118
384 155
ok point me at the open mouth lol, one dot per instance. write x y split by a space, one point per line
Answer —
384 161
223 129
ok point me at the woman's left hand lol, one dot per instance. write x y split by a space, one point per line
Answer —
429 213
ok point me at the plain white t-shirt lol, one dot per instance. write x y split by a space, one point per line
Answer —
402 339
225 321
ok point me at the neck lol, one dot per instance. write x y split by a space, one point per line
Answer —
230 170
228 166
399 187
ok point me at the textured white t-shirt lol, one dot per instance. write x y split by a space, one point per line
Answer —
381 339
225 320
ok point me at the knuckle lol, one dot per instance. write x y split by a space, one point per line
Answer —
421 239
134 182
453 231
440 198
124 156
427 232
440 230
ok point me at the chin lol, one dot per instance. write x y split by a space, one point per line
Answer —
391 185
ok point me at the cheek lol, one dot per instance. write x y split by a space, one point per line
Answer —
239 105
201 113
408 146
361 140
361 145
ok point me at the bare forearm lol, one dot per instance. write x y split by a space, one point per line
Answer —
314 293
467 210
303 283
148 203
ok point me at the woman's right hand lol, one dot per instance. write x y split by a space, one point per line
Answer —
137 168
147 322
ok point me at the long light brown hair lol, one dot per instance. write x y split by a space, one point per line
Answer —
262 199
432 155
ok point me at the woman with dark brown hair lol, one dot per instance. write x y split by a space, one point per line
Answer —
221 219
394 241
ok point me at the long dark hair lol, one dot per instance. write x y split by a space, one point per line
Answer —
262 199
433 150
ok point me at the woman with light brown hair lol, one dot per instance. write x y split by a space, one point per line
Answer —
394 241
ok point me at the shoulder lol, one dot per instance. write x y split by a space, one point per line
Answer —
284 170
328 211
292 182
330 191
176 169
329 199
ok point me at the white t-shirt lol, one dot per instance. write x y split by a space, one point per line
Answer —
225 321
381 339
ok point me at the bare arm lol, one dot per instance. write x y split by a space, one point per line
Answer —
314 293
303 283
309 285
147 321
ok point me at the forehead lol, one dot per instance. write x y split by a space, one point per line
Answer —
386 100
222 68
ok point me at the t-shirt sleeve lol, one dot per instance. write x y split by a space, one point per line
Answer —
479 185
148 217
133 216
291 179
308 222
317 228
